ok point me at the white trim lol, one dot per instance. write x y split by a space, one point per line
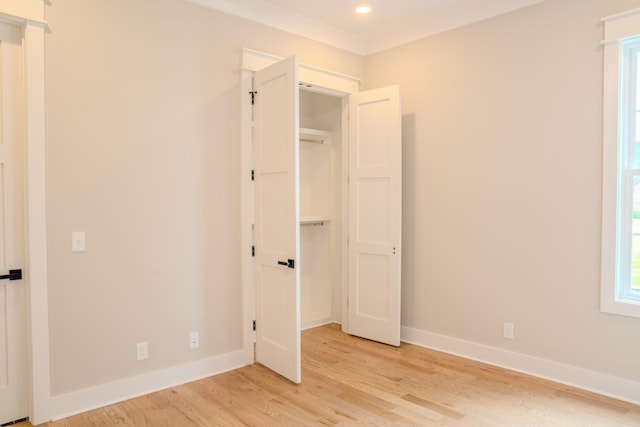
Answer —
37 295
33 31
597 382
267 14
84 400
617 28
246 217
609 42
344 238
621 25
17 19
326 81
621 15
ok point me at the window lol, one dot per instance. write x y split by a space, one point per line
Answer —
620 284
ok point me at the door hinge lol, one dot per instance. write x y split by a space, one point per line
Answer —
253 96
254 325
253 175
253 250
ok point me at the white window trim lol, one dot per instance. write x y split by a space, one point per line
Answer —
616 28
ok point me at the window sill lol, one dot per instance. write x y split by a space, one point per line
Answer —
622 308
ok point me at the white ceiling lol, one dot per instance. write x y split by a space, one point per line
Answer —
391 23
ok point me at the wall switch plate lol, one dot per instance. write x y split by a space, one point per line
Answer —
78 241
143 350
194 340
507 330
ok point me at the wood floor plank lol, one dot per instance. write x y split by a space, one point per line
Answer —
434 406
350 381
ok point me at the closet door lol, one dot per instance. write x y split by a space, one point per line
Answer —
375 214
276 209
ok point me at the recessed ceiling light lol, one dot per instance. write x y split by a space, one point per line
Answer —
363 9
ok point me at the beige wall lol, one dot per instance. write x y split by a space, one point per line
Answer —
143 154
502 184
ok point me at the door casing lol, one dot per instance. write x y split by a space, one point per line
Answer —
29 16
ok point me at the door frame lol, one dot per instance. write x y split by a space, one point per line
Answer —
324 81
29 16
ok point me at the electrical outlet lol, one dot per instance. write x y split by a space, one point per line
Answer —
143 350
194 340
507 330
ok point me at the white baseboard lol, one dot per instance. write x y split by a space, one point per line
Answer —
76 402
66 405
608 385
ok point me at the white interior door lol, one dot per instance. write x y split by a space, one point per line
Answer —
375 214
13 331
277 211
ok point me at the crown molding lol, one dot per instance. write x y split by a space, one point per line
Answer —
271 16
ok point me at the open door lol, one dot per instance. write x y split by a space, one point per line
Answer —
276 208
375 214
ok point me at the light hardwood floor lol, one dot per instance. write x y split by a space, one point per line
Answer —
351 381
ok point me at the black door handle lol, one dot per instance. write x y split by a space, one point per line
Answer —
289 263
13 275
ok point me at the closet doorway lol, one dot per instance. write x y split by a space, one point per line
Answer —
343 180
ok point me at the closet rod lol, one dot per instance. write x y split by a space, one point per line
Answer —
313 141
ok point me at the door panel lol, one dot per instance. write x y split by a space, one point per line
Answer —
372 293
13 318
375 214
277 235
373 196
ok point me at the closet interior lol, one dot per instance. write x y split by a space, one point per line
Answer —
321 191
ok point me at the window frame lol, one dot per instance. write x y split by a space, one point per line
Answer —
622 37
